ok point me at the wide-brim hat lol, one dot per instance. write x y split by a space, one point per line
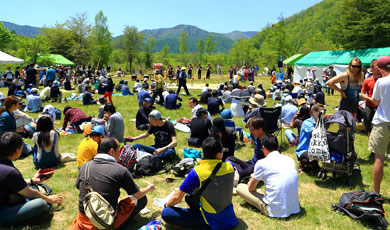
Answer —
302 101
257 100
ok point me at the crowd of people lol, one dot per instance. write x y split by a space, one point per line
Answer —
217 177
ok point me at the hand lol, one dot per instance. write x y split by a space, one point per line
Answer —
54 199
158 151
129 138
150 187
37 179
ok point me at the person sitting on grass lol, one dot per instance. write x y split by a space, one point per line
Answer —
34 102
45 93
171 100
30 205
107 177
102 102
143 93
216 209
88 147
125 89
245 168
281 182
227 138
296 122
46 152
115 123
88 96
55 92
75 117
213 104
165 137
200 128
142 118
305 136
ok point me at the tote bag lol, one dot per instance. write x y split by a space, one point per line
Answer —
318 148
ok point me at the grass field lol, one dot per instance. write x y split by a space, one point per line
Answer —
315 195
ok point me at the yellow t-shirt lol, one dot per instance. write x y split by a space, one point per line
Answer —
87 150
159 82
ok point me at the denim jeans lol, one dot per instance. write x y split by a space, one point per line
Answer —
166 155
184 217
290 135
24 212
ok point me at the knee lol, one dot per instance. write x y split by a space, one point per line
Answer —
39 206
167 214
142 202
136 146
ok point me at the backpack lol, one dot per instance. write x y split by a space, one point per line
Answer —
127 157
182 168
148 165
363 205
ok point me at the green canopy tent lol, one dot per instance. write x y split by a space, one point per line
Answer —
339 59
291 60
58 59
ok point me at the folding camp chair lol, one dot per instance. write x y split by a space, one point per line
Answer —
272 117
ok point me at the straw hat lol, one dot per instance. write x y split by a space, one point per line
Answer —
301 101
257 100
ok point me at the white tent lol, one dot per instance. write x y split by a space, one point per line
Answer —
8 59
300 71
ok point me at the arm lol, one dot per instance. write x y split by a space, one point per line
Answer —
30 193
175 199
292 121
142 192
171 145
252 184
66 119
338 79
142 136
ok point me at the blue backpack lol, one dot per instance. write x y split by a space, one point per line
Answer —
48 159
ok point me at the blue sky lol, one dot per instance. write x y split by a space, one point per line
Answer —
212 15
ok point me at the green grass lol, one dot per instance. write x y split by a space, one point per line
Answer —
315 195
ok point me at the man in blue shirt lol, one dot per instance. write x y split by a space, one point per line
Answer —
245 168
289 110
171 101
143 93
305 136
51 75
216 209
34 102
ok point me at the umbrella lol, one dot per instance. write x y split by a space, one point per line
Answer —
243 93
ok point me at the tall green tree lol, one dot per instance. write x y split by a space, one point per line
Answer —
5 36
200 48
183 45
59 39
131 43
29 49
101 38
164 54
363 24
81 43
149 44
210 44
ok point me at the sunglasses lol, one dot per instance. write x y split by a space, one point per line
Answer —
356 66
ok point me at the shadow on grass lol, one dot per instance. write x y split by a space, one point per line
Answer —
342 181
45 225
367 161
140 220
299 215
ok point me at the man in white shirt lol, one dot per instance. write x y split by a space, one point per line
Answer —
194 104
281 182
379 142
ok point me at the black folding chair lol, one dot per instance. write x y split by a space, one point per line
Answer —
272 117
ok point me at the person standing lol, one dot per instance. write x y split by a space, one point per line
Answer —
51 75
350 82
366 93
109 89
208 71
231 72
159 87
199 71
189 72
31 76
379 142
331 74
182 81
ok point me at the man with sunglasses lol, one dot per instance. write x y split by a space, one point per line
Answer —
379 141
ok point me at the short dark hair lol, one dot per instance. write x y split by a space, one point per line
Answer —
257 123
108 143
9 143
270 142
200 112
211 146
109 108
194 99
67 108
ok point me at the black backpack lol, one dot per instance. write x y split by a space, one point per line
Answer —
363 205
148 165
127 157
